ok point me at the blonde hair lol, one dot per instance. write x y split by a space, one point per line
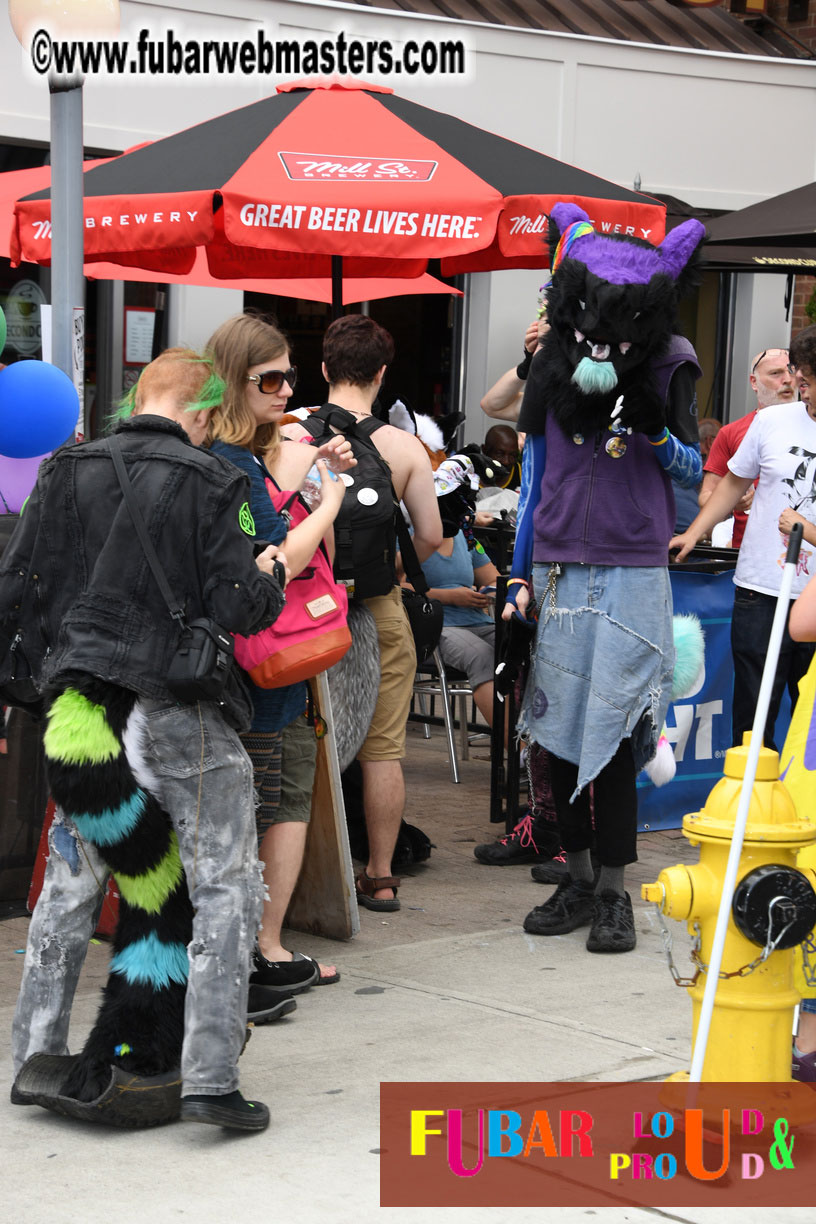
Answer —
243 341
180 372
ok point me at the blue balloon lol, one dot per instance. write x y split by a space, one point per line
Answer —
39 408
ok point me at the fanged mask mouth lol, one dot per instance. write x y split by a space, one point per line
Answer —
600 352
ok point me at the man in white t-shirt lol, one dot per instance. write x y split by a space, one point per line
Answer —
779 449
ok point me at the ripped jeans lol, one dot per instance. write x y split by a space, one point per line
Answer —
201 774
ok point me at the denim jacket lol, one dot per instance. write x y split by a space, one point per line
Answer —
77 587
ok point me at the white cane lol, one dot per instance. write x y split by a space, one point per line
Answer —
757 736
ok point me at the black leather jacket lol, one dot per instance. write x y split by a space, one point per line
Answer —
74 580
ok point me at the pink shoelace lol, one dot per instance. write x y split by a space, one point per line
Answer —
524 832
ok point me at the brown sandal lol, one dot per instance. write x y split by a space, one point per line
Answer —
366 888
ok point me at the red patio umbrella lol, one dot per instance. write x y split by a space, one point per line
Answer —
332 170
16 183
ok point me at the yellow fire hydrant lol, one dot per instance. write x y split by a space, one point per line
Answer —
774 908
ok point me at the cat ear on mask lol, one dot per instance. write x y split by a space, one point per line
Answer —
565 215
562 216
679 252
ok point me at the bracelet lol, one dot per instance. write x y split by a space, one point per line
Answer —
663 439
518 582
523 367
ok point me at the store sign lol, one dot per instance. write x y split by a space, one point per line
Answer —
23 318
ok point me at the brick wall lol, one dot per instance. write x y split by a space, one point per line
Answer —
803 287
804 30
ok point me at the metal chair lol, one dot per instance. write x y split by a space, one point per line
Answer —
433 679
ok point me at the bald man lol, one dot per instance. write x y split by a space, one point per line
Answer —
772 382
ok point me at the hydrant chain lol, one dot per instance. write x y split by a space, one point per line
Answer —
668 941
770 946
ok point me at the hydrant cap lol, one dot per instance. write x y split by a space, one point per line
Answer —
736 760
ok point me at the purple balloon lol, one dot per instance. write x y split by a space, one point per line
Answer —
39 408
17 479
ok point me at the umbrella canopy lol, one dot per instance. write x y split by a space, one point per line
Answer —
787 220
338 169
16 183
307 289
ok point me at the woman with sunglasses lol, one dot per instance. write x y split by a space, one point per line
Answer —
253 358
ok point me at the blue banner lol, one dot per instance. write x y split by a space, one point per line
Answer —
699 726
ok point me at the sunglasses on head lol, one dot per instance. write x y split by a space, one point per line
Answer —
271 381
765 353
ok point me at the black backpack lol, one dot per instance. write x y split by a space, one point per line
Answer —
364 530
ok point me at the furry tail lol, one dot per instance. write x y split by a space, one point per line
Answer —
91 745
688 678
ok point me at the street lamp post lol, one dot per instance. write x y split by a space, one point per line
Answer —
66 19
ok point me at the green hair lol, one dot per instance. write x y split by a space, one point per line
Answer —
209 396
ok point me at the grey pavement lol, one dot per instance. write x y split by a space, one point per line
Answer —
449 988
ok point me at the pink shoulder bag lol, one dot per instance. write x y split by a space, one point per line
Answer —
311 633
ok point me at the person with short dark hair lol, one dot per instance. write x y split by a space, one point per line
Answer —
355 350
502 444
356 353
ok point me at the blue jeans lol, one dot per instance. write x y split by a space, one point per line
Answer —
751 623
195 765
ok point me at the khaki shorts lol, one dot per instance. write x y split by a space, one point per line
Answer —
386 735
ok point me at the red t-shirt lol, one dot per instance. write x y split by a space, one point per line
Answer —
723 448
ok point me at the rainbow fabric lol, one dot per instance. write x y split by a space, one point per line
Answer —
578 229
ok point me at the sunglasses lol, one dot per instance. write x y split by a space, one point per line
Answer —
271 381
765 353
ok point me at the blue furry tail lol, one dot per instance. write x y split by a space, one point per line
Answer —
595 377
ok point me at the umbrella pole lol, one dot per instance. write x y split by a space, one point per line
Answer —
337 285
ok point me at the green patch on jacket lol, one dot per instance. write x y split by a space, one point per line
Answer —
246 520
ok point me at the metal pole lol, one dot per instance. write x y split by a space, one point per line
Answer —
746 794
67 237
337 286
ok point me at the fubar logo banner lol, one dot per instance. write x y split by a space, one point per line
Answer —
596 1145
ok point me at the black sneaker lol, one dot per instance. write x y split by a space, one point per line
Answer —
613 924
517 847
265 1005
571 906
552 872
232 1111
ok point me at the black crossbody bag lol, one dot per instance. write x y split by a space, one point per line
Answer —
201 666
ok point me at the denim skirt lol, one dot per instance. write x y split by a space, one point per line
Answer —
602 663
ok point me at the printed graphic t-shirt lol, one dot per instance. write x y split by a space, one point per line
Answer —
780 449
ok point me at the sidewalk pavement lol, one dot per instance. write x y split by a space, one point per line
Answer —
449 988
